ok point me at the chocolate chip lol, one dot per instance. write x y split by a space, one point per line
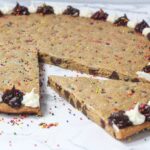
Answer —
84 110
71 11
122 21
78 105
66 94
20 10
135 80
100 15
103 91
13 97
140 26
132 32
132 91
93 71
146 69
45 10
119 119
114 75
41 59
72 102
102 123
56 61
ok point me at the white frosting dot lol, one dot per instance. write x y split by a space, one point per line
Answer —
132 24
58 10
112 18
86 13
135 116
31 99
146 31
7 9
144 75
33 8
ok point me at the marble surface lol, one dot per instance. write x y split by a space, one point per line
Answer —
73 131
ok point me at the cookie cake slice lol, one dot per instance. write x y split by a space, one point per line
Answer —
19 84
121 108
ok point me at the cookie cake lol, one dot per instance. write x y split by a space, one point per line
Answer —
96 43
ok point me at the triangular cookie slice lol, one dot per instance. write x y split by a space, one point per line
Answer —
121 108
19 83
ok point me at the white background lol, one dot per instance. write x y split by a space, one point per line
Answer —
74 131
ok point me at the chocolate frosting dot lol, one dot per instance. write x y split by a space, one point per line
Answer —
100 15
20 10
122 21
13 97
140 26
45 9
119 119
1 14
114 75
71 11
147 69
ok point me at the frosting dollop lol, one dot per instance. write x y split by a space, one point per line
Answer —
100 15
20 10
13 97
135 116
122 21
146 31
140 26
31 99
86 13
33 8
147 69
144 75
132 24
58 10
71 11
112 18
119 119
45 9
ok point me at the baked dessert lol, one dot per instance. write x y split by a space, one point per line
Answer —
19 84
94 46
121 108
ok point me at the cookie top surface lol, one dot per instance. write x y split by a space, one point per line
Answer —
96 44
18 67
104 96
